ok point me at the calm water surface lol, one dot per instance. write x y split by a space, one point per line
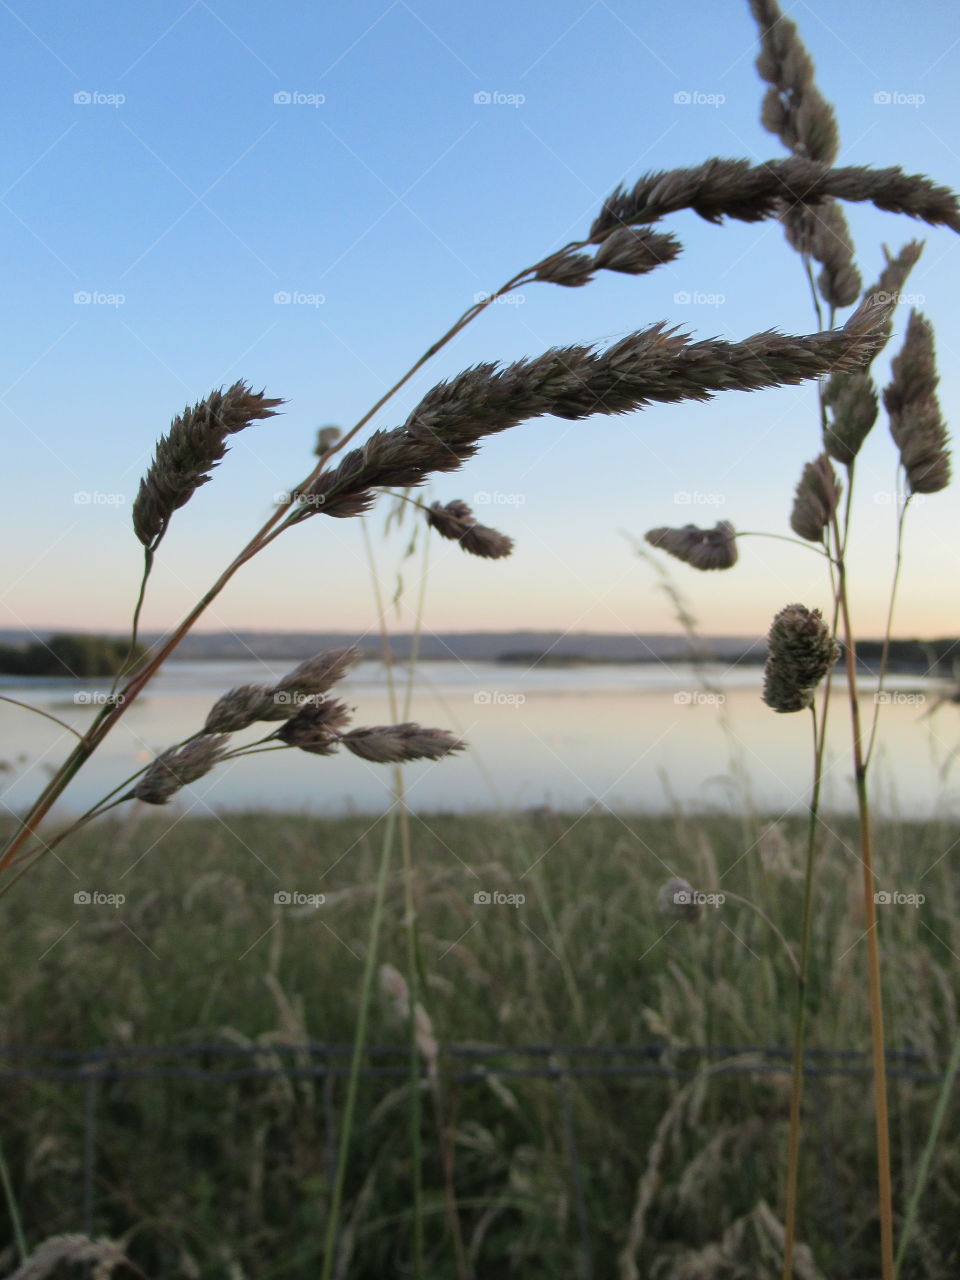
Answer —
628 737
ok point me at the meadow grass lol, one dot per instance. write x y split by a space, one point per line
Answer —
233 1178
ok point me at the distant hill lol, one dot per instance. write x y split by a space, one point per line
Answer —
526 647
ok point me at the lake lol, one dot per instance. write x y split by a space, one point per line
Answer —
628 737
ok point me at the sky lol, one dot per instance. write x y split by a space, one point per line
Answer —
306 196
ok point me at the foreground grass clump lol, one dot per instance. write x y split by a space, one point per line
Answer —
231 1177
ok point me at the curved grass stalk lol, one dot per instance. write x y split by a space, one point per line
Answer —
38 711
885 653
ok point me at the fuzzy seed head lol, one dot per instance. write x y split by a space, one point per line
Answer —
397 743
179 766
457 522
816 501
317 726
714 548
800 652
911 402
192 447
239 708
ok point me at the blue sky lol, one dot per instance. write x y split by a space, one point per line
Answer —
151 167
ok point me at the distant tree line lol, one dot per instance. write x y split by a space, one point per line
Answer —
67 655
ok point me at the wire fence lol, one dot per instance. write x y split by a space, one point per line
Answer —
464 1064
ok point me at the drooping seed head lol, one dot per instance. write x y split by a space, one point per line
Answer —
239 708
179 766
721 189
793 109
714 548
634 251
192 447
911 401
396 743
457 522
655 365
816 500
572 270
800 652
851 399
319 673
317 726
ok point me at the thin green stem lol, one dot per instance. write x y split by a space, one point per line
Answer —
800 1013
783 537
926 1158
148 553
359 1044
885 653
13 1208
37 711
736 897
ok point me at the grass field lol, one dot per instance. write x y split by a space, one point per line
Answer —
230 1178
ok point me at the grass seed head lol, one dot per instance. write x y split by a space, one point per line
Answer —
816 500
800 652
397 743
178 766
192 447
911 402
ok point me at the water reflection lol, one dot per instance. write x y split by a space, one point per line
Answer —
625 736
